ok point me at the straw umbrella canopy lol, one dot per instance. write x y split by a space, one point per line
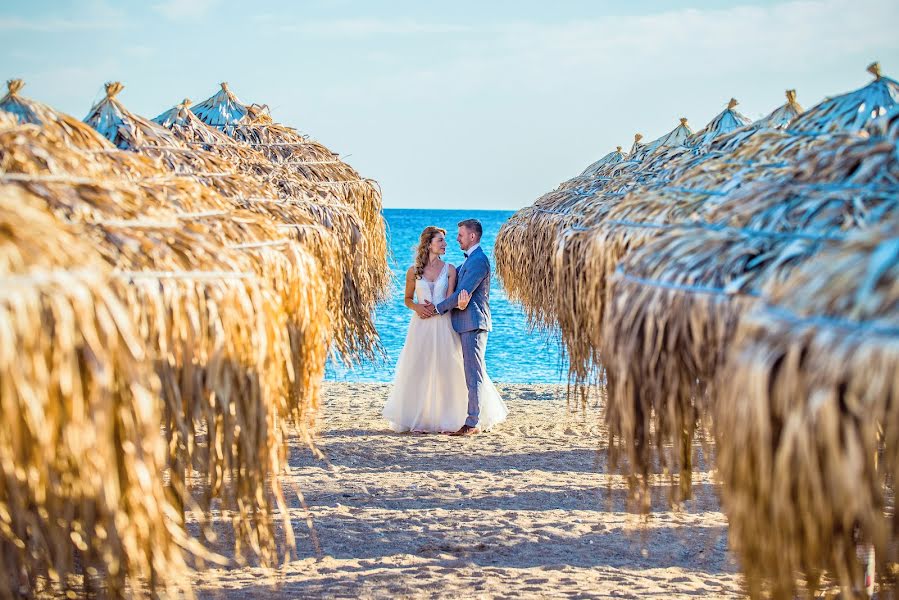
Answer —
527 244
676 137
725 121
28 111
808 423
82 458
326 230
296 202
851 111
133 132
733 159
782 116
282 145
207 304
616 156
675 302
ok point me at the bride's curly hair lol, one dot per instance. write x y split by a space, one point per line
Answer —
421 253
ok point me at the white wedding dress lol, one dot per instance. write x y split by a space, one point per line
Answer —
429 392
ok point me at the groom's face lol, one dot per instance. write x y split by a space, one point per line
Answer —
466 238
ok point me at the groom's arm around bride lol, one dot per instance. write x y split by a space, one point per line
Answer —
474 272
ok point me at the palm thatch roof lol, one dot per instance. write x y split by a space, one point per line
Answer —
616 156
676 137
248 178
125 129
808 420
77 387
851 111
28 111
224 109
231 308
666 332
284 146
725 121
782 116
695 235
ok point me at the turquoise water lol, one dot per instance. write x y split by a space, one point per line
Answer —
514 353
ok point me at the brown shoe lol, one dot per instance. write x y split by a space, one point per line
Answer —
467 430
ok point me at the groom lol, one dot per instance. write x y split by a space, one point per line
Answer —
470 306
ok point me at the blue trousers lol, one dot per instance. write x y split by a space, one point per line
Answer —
474 343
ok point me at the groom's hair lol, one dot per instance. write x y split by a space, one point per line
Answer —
472 225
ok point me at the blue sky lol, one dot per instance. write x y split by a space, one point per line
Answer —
470 103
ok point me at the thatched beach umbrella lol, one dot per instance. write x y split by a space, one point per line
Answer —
782 116
81 457
675 304
295 202
676 137
582 199
282 145
733 158
224 169
216 315
616 156
851 111
28 111
808 422
725 121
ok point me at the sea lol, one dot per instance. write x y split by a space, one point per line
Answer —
515 353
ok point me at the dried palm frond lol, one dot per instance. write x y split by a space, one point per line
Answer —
851 111
676 137
807 421
727 120
226 165
782 116
30 112
609 159
249 335
676 301
81 457
369 280
126 130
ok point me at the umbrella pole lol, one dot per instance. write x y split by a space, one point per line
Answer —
868 550
869 570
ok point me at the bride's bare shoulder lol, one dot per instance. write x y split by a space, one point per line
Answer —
451 269
410 272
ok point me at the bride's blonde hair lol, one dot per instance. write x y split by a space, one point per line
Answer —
422 252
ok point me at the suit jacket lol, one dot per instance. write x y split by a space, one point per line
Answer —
473 275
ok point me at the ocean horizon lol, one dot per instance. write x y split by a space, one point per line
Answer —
515 353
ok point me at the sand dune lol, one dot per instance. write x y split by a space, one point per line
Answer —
527 510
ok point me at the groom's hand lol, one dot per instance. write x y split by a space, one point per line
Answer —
464 299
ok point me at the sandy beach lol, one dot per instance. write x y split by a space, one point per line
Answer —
527 510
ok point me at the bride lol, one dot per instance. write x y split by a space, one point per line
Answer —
429 392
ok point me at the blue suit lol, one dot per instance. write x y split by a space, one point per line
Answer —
472 325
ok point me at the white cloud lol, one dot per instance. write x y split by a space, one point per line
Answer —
556 96
176 10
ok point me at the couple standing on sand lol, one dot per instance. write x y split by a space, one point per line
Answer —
442 363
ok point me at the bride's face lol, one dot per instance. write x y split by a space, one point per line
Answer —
438 244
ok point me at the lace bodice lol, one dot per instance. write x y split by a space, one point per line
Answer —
435 291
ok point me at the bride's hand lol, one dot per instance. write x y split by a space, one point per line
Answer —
425 310
464 299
